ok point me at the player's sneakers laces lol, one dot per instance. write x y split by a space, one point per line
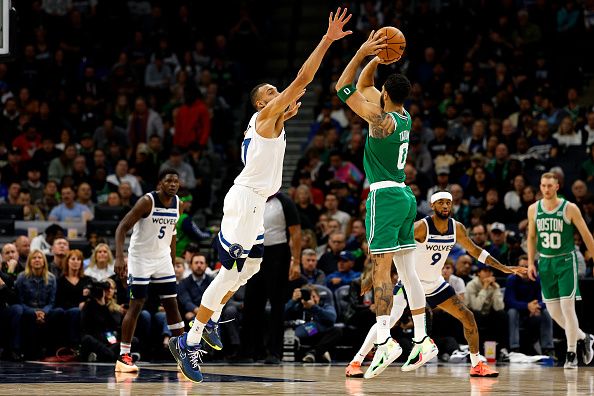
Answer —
571 361
421 353
587 348
187 357
385 354
125 364
211 335
353 370
483 370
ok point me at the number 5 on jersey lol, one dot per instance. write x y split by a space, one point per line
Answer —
161 232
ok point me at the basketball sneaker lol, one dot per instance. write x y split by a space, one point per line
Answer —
483 370
353 370
385 354
571 361
421 353
587 348
187 357
125 364
211 335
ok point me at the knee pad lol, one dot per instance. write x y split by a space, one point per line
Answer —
251 267
221 285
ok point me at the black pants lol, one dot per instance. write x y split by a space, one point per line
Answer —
270 283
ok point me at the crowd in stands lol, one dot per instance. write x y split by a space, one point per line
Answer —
90 115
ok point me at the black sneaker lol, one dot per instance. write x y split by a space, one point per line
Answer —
587 348
571 361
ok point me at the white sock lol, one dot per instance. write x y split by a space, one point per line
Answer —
216 315
420 331
383 328
367 344
125 348
358 358
195 333
474 359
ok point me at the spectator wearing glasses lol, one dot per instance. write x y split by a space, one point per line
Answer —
328 263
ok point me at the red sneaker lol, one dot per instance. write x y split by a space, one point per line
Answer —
353 370
483 370
124 364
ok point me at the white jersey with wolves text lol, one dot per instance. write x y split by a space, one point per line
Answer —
263 161
151 235
431 255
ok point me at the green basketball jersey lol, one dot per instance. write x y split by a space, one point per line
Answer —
554 232
384 159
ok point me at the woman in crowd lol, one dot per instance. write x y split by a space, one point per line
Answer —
101 266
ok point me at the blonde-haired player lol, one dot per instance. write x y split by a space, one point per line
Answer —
551 225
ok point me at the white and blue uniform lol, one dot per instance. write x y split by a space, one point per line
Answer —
149 253
242 227
430 257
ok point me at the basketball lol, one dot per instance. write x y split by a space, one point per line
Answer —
396 43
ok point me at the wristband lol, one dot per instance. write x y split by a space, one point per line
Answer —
345 92
483 256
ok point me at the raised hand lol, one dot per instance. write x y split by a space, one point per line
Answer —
374 44
335 24
293 108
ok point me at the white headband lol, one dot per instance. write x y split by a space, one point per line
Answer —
441 195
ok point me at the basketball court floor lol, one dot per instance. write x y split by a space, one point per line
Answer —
288 379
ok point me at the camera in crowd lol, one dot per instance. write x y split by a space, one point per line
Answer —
98 289
305 294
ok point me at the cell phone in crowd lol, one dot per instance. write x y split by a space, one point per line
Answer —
306 294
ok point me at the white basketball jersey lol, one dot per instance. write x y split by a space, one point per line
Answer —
151 235
263 161
431 255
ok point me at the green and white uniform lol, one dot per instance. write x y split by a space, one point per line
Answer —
557 265
391 205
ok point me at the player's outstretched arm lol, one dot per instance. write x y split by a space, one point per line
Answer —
578 221
381 123
531 242
306 74
481 254
141 209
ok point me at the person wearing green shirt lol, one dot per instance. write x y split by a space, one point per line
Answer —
187 230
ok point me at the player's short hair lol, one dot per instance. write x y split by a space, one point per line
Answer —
254 94
550 175
398 87
167 171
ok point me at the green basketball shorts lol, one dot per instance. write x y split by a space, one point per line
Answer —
390 218
559 277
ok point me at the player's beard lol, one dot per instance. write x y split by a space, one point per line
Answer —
442 216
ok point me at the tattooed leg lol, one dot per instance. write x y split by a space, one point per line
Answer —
382 283
456 307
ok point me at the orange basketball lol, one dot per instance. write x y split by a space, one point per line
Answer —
396 43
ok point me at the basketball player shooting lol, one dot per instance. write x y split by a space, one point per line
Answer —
435 236
391 205
240 240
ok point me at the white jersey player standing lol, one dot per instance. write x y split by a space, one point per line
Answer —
435 236
240 240
151 258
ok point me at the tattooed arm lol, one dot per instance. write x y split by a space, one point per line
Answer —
475 251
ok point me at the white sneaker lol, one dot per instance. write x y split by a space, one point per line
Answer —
421 354
459 356
384 356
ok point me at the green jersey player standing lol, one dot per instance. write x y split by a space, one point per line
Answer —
391 207
551 224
